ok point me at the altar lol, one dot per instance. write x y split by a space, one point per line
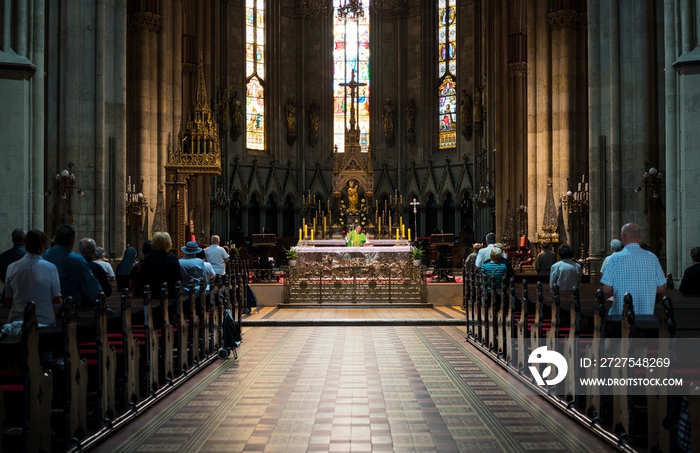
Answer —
327 272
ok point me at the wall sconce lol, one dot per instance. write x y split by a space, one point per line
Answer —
521 212
652 184
136 203
65 183
220 200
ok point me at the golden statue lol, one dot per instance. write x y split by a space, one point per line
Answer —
353 198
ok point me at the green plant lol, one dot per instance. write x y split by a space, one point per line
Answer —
417 253
291 253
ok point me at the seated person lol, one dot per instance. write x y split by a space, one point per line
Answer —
33 278
690 284
356 237
565 273
193 269
160 266
545 259
494 269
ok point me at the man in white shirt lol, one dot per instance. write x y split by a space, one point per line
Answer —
33 278
217 256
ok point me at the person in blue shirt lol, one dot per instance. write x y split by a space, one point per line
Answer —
77 280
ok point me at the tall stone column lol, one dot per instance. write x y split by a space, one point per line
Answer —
623 122
22 128
682 89
557 81
539 124
144 25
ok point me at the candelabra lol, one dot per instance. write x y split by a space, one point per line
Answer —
576 203
508 233
484 195
521 212
136 203
652 185
220 200
65 184
308 202
396 202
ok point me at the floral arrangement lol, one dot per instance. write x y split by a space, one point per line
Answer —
344 212
291 253
417 253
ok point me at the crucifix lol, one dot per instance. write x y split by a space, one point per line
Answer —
353 86
415 204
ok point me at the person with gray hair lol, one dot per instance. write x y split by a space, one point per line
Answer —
485 252
101 259
615 246
87 248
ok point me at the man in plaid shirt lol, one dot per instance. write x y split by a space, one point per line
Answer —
633 270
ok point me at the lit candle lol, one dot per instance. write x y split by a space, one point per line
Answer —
300 234
306 231
403 231
397 234
312 235
409 235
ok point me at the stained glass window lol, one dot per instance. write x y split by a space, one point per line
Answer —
350 53
447 70
255 73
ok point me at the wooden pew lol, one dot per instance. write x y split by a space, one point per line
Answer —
484 311
522 327
152 344
657 404
204 326
694 414
621 406
168 336
594 353
132 354
76 378
510 327
570 346
183 358
38 387
500 320
106 365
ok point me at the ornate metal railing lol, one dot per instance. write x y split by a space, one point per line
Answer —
356 285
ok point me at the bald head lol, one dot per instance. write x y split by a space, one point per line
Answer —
215 239
87 247
630 233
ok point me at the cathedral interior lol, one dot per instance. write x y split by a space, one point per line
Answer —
538 120
479 113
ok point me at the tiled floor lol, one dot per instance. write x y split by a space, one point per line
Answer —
353 388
